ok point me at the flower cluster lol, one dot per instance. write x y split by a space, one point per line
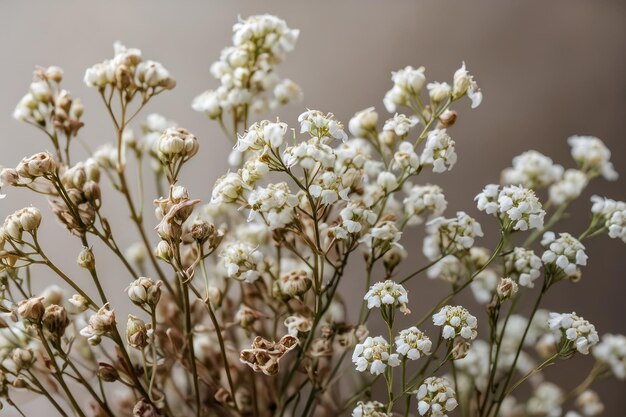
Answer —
242 261
579 334
512 204
388 293
369 409
456 322
421 199
525 265
592 156
374 355
413 343
611 351
533 170
612 214
451 235
436 397
564 252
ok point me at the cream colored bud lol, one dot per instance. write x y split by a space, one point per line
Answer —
163 251
136 253
9 176
54 73
506 289
30 219
31 309
144 291
136 332
214 296
447 119
86 259
294 284
22 358
79 302
37 165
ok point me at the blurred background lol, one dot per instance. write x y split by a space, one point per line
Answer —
547 70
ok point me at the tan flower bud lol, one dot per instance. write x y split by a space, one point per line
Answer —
136 332
294 284
79 302
86 259
9 176
163 251
31 309
246 317
107 372
144 408
53 73
144 291
506 289
447 119
22 358
461 349
30 219
38 165
55 321
202 230
215 296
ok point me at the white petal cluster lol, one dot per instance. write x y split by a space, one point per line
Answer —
513 204
247 69
407 83
374 355
262 135
355 217
589 403
274 204
127 70
463 83
565 252
242 261
523 264
400 124
456 322
439 151
422 199
569 187
383 236
99 324
406 159
450 235
330 187
575 329
363 122
370 409
310 155
322 126
592 156
413 343
228 189
613 214
436 397
532 169
387 292
611 350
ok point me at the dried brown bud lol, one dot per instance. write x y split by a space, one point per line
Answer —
294 284
38 165
32 309
86 259
447 119
9 176
145 408
55 321
107 372
461 349
506 289
22 358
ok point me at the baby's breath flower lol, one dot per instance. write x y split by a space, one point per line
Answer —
136 332
611 351
38 165
294 284
100 324
274 204
382 237
439 151
413 343
228 189
406 158
401 124
436 397
564 252
592 156
407 83
545 401
451 235
242 261
31 309
506 289
579 334
55 321
262 135
286 91
363 122
310 154
176 144
438 92
523 264
388 293
322 126
569 187
370 409
79 302
514 205
532 170
588 402
355 217
374 355
456 322
297 325
613 215
23 220
144 291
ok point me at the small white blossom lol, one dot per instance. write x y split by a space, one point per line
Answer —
286 91
242 261
310 154
400 124
545 401
589 403
611 350
354 217
228 189
436 397
274 204
387 181
575 329
262 135
322 126
463 83
374 355
421 199
406 158
407 82
389 293
439 151
532 169
565 252
450 235
592 156
413 343
100 324
513 204
525 265
569 187
484 285
456 322
613 215
438 92
363 122
383 236
370 409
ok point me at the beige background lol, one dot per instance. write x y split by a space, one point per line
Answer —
548 69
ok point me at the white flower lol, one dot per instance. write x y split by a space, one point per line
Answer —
363 122
438 92
513 204
228 188
151 74
413 343
100 324
382 236
421 199
525 265
484 285
575 329
439 151
322 126
274 204
310 154
388 293
436 397
611 350
450 235
297 324
532 169
456 322
406 158
374 355
565 252
286 91
569 187
387 181
613 214
545 401
370 409
463 83
242 261
592 156
209 103
407 82
400 124
588 402
354 217
262 135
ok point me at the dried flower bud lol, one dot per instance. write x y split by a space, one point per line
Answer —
215 296
246 317
31 309
145 408
79 302
506 289
38 165
136 332
447 119
201 231
86 259
461 349
100 324
55 321
30 219
144 291
175 144
163 251
9 176
22 358
107 372
294 284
